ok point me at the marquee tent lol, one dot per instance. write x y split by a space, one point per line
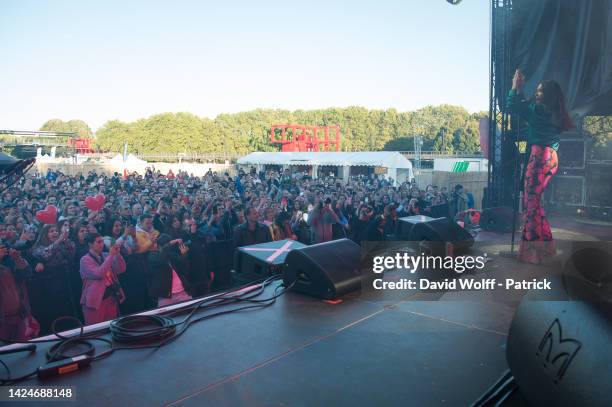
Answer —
398 167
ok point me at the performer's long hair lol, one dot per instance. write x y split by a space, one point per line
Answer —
553 99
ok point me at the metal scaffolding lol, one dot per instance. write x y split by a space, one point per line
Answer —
502 151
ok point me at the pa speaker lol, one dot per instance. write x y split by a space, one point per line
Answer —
559 350
497 219
405 225
325 270
262 260
441 230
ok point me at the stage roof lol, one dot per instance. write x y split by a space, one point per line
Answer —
387 159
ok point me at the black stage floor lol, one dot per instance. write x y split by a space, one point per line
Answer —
302 351
367 350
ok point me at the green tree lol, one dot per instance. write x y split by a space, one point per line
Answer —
112 135
600 127
73 126
80 128
57 125
446 127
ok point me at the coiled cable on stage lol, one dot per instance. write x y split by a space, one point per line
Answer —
146 331
142 329
60 349
65 348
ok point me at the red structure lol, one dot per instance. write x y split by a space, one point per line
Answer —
81 145
298 138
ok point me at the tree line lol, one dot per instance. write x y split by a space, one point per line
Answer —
444 127
441 128
600 127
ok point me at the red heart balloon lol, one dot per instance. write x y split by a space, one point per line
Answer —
48 216
90 203
95 203
100 200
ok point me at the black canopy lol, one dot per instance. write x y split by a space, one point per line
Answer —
569 41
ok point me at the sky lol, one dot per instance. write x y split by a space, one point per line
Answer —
125 60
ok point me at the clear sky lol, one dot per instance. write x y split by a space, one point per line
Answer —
103 60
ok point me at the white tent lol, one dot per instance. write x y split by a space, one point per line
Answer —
395 163
131 162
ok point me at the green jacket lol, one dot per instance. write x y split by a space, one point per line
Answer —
542 130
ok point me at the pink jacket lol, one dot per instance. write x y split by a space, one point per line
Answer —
93 273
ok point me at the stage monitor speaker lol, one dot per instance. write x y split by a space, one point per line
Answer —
599 187
405 225
260 261
572 153
559 349
441 230
590 269
497 219
440 211
325 270
568 190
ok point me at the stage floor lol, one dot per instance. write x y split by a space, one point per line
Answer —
302 351
367 350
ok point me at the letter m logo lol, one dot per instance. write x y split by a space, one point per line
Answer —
555 352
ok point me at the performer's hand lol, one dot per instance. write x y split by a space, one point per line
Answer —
518 80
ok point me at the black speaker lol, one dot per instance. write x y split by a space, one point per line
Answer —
559 350
405 225
568 189
497 219
325 270
262 260
572 152
591 265
441 230
440 211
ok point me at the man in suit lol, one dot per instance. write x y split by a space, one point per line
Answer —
102 293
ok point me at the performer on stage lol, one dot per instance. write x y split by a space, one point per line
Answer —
547 118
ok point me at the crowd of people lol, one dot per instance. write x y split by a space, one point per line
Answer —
152 241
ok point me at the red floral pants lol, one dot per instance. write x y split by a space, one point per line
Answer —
537 241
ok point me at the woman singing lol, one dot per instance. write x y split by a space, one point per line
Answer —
547 118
